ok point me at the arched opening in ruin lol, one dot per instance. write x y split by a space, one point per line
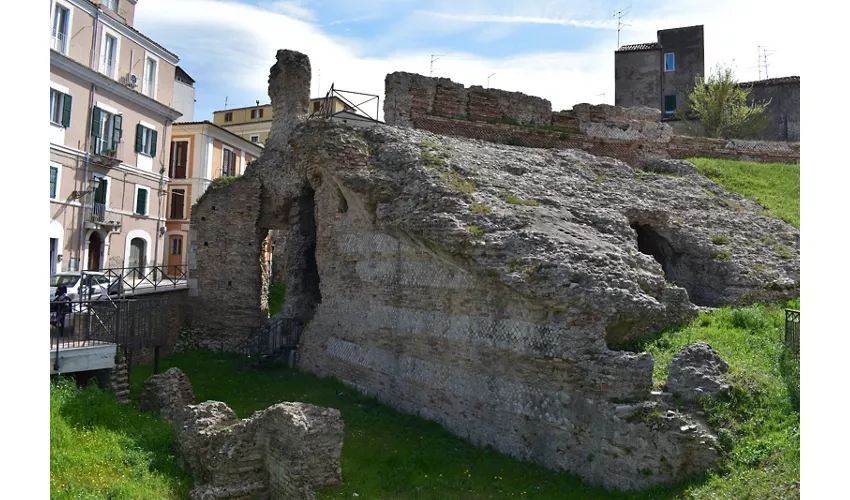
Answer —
303 294
652 243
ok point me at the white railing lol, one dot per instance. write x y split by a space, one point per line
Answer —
58 42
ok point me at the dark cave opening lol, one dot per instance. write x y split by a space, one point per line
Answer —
652 243
303 293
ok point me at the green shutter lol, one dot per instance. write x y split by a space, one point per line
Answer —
66 111
153 142
139 131
141 201
117 124
54 173
95 123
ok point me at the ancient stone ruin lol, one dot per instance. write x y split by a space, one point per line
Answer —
287 451
491 288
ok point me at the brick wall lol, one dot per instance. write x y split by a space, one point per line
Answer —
444 107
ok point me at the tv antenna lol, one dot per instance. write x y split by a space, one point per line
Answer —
488 80
603 97
619 15
434 57
763 53
225 102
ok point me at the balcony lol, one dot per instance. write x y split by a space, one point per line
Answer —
105 154
98 218
59 42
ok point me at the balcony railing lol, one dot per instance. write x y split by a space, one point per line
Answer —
98 212
59 41
106 153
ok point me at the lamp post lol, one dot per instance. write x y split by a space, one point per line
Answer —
488 80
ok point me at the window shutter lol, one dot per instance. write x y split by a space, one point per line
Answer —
232 163
117 124
181 166
66 111
141 201
95 123
261 112
54 172
139 131
153 142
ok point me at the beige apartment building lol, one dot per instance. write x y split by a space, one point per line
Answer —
111 114
200 153
254 122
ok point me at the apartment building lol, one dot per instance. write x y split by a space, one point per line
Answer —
254 122
111 110
200 153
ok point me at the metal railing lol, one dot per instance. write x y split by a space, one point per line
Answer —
128 324
59 41
792 330
132 280
277 338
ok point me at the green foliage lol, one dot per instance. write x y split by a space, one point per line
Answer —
721 106
433 155
720 239
475 230
479 208
529 269
775 186
100 448
783 251
514 200
505 120
458 183
721 255
277 293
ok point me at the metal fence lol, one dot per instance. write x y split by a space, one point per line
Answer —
792 330
131 324
275 340
132 280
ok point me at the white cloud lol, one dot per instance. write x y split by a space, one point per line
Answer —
235 44
513 19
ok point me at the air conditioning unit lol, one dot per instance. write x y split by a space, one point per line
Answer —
131 81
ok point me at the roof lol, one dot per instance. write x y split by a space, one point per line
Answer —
772 81
180 74
98 6
639 46
207 122
268 104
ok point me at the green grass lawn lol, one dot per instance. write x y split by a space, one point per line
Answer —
776 186
100 448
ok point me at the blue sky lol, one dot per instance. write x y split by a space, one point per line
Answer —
560 50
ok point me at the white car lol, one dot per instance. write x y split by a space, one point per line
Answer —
82 285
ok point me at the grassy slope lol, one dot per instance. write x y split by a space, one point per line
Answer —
776 186
100 448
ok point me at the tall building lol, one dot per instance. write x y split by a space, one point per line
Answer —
184 94
111 110
254 122
660 74
200 153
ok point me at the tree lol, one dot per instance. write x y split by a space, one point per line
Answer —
721 106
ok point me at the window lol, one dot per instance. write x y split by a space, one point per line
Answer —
106 130
228 117
176 245
669 104
150 77
145 140
669 61
141 200
228 163
177 199
60 108
255 139
112 5
54 181
109 55
256 113
179 152
317 105
59 39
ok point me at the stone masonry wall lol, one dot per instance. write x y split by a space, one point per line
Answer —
627 134
225 236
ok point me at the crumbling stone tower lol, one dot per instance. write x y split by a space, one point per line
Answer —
487 287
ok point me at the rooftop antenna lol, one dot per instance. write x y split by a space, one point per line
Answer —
434 57
619 15
488 80
603 97
225 102
258 102
319 84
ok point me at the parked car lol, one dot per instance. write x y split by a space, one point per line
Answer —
82 285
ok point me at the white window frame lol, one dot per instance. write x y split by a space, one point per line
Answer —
61 104
171 239
109 181
58 167
145 87
67 6
113 9
257 137
103 68
665 62
109 128
221 167
136 200
146 138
